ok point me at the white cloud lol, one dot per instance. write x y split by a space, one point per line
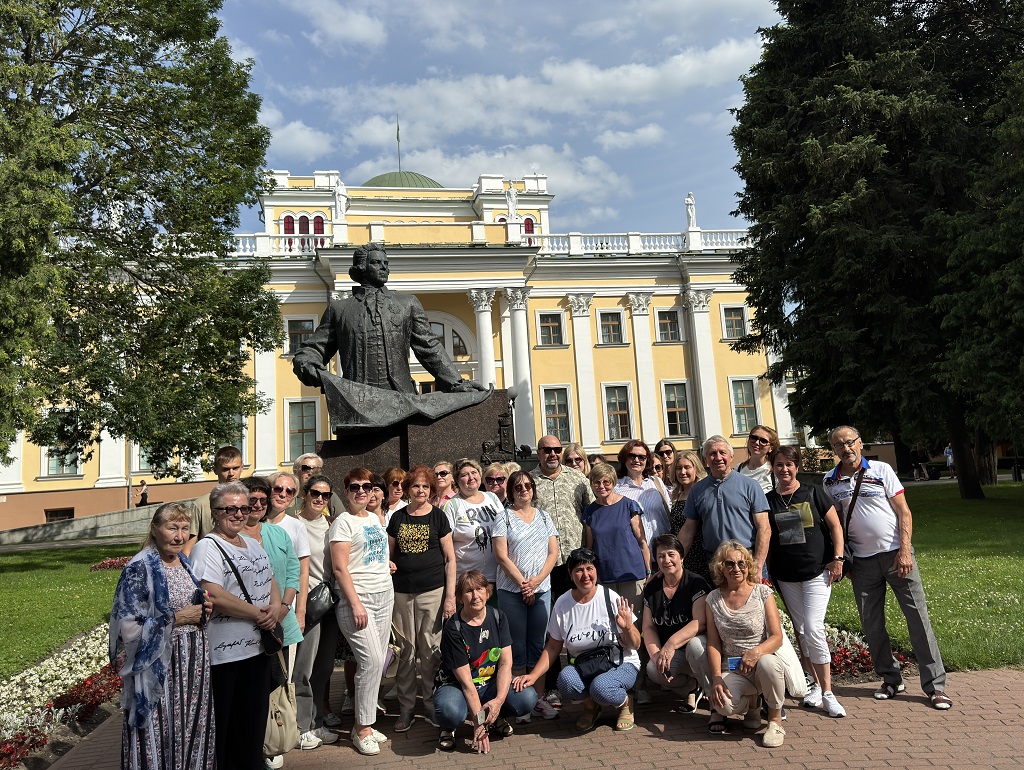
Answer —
652 133
339 24
294 140
241 51
276 36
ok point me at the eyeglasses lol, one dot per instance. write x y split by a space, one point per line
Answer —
759 440
523 487
575 461
666 452
442 474
549 449
318 495
257 502
496 479
289 491
848 444
656 468
396 483
234 510
740 565
366 487
637 458
310 468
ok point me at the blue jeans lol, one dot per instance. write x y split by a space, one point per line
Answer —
528 624
451 708
607 689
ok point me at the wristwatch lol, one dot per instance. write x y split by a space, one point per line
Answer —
839 558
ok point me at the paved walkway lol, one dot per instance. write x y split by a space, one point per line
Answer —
984 730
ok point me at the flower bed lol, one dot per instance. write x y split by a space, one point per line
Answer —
68 685
110 564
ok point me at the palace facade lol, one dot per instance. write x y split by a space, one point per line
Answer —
600 337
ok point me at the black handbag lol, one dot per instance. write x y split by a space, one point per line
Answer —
319 601
593 663
273 639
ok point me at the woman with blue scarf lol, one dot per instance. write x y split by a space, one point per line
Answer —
158 646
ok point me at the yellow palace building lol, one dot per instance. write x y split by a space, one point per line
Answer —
601 337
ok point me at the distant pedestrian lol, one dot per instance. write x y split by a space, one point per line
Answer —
950 465
143 495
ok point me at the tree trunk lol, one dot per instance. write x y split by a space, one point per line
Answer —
963 456
902 451
985 457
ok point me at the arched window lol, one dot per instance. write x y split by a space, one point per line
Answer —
318 225
501 220
303 225
289 225
528 226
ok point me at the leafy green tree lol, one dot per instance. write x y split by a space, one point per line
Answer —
128 141
859 144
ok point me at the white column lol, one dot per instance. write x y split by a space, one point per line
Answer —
587 398
780 404
267 455
705 380
508 367
482 299
524 425
113 472
647 389
10 475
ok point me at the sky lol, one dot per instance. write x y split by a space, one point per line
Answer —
624 106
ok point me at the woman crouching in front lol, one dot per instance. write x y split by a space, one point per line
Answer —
476 669
597 628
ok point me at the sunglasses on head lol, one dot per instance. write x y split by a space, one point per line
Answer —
290 491
366 487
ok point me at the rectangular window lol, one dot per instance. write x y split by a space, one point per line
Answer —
59 514
668 326
734 323
301 427
556 413
427 387
145 464
551 329
299 330
677 411
60 464
616 401
744 405
611 328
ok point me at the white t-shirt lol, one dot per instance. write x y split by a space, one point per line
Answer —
762 475
368 561
471 533
873 528
584 627
297 532
232 639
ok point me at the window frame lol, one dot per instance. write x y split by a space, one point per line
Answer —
746 319
752 378
629 411
562 343
288 402
44 466
677 312
689 407
570 412
288 352
622 327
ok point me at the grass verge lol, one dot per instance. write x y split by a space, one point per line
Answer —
973 570
49 596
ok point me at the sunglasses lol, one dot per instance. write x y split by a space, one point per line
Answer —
550 449
318 495
575 461
524 487
638 458
289 491
366 487
656 468
496 480
310 468
233 510
730 564
759 440
257 502
396 483
442 474
666 452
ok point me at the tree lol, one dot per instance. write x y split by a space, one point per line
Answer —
860 142
128 140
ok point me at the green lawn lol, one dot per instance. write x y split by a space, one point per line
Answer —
972 563
47 597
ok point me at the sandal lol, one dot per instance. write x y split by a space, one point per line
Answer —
502 728
588 721
940 700
888 691
626 720
446 742
719 726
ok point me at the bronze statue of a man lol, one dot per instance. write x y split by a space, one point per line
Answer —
372 332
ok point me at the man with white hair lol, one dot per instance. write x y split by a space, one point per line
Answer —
306 467
728 506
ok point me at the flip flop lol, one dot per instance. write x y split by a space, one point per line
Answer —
588 720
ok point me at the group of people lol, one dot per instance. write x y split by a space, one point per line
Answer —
646 576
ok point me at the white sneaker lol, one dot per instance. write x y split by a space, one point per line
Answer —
365 745
378 735
643 698
308 740
813 697
832 706
774 736
543 709
332 720
554 699
274 763
325 735
348 706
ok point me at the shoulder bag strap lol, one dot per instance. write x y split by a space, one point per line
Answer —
849 511
234 569
612 625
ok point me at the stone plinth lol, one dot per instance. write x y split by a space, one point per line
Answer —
421 441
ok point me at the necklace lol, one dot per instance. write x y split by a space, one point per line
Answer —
786 502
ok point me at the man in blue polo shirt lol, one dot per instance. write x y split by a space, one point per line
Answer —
875 515
728 506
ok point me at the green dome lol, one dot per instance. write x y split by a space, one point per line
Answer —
401 179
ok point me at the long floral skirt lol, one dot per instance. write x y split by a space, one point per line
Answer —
180 733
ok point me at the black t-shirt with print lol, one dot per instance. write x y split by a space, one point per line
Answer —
479 647
796 550
419 562
671 615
